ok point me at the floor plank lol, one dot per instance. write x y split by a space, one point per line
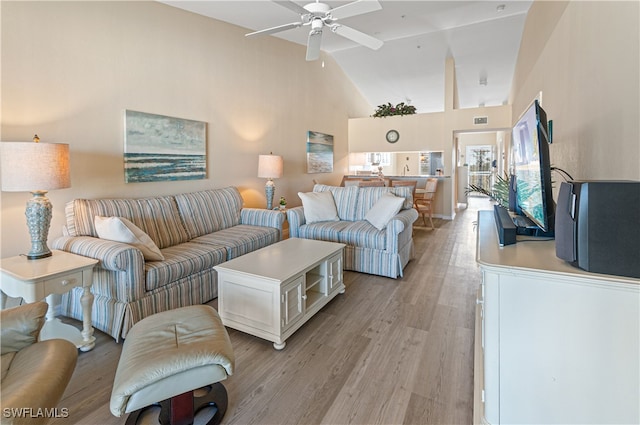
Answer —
384 352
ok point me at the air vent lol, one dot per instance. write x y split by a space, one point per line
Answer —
480 120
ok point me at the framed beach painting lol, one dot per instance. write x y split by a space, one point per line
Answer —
319 152
161 148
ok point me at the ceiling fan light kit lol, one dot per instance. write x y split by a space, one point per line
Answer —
319 15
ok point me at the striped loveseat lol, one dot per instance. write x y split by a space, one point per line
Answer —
368 250
194 232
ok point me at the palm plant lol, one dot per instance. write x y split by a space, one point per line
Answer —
499 192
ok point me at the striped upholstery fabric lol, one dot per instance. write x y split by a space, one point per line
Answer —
405 192
326 231
368 196
344 197
373 261
195 289
241 239
363 234
157 217
368 250
210 210
260 217
119 264
107 313
181 261
295 217
128 289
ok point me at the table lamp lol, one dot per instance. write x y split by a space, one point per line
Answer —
270 167
35 167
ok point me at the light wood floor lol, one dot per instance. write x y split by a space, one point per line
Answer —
385 352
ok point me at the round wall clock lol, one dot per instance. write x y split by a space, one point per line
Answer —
392 136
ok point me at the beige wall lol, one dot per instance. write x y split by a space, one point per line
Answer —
584 58
429 132
70 69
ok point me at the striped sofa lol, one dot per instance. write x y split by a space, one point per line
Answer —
194 231
368 250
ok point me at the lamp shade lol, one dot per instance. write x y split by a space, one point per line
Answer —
29 166
270 166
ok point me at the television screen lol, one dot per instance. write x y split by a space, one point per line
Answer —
533 167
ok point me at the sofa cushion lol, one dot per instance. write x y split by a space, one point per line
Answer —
157 217
241 239
180 261
368 196
208 211
318 207
120 229
344 197
363 234
325 231
383 210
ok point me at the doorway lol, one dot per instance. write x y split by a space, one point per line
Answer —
482 162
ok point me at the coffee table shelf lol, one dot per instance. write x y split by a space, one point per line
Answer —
270 293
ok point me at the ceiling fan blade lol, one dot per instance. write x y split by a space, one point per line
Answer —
275 29
358 7
292 6
357 36
313 45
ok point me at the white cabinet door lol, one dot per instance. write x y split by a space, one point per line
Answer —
334 271
568 351
491 340
292 302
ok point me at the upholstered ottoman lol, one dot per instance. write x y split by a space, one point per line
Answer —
167 356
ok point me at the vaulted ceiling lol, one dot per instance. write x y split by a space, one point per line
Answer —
483 37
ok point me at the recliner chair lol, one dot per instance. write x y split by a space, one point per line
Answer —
34 373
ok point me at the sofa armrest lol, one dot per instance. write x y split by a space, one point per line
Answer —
401 221
20 326
262 217
295 217
115 256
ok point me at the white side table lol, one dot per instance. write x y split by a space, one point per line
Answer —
35 280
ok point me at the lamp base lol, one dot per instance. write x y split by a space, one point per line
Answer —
269 190
38 215
39 256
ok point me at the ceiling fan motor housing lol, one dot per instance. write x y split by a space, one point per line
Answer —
317 9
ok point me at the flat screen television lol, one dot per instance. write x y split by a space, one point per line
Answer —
532 169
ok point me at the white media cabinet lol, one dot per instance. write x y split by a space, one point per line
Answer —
270 293
554 344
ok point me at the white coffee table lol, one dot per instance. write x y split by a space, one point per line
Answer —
270 293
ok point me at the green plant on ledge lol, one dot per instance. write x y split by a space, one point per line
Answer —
389 110
499 192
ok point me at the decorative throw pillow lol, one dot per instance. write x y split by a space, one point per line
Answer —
318 206
120 229
384 210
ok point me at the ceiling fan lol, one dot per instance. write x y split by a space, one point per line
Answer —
320 15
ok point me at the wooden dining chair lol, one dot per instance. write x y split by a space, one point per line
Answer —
350 181
424 204
371 183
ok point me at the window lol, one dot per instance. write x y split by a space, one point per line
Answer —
379 159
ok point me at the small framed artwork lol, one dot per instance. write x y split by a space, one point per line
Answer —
319 152
161 148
